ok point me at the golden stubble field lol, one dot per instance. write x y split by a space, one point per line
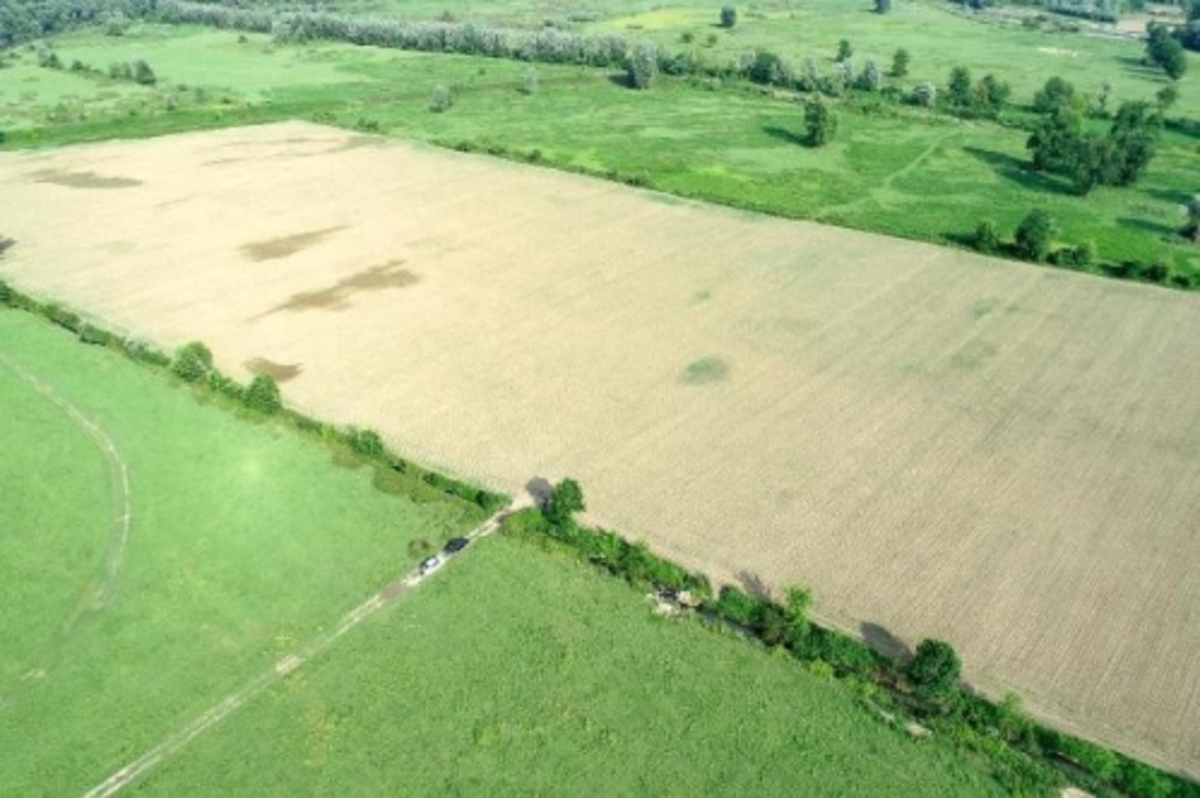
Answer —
1003 456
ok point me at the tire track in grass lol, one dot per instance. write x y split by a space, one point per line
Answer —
97 599
178 740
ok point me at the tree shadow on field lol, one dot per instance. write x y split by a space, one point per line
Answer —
541 490
1135 65
753 584
785 135
1017 171
1147 226
620 79
885 642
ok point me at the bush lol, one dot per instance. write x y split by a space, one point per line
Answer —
143 74
844 51
1034 236
1056 94
120 71
225 386
441 100
736 606
924 94
62 317
987 237
820 122
900 61
262 395
1082 256
728 16
883 6
364 441
529 82
7 295
642 65
90 334
192 361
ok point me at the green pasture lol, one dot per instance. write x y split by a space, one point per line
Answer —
897 170
518 672
936 34
246 540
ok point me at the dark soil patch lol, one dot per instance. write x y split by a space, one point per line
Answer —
338 295
59 177
287 245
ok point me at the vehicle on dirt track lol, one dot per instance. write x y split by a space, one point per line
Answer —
455 545
430 564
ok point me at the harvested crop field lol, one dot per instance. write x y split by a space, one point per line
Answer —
942 445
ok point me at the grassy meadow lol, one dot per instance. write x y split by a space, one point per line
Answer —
897 170
245 541
518 672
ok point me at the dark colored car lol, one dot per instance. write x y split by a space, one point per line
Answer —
456 545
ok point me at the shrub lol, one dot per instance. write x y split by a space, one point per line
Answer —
7 295
120 71
116 24
900 61
642 65
736 606
1054 95
987 237
226 386
844 51
820 122
62 317
1082 256
871 78
192 361
262 395
90 334
143 74
529 82
883 6
364 441
441 100
143 351
924 94
1034 236
728 16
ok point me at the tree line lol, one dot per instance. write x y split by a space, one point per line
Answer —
924 684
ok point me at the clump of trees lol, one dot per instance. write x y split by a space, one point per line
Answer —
983 98
1061 143
1165 50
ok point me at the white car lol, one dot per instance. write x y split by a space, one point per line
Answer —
430 564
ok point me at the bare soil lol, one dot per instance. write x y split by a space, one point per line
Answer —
940 444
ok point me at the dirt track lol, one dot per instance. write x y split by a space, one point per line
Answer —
941 445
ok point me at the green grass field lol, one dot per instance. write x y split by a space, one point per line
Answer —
902 171
245 541
518 672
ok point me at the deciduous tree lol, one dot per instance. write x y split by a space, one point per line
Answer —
935 668
566 499
1034 236
820 122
